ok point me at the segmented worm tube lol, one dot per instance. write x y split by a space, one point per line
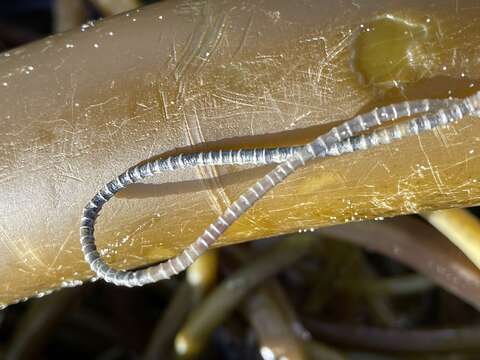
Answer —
345 138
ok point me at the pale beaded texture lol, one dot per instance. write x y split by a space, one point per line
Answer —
345 138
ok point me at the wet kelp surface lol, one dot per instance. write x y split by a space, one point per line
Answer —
180 76
311 295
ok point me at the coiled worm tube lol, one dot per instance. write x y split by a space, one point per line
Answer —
347 137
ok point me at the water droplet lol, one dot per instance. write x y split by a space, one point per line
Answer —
87 25
267 353
70 283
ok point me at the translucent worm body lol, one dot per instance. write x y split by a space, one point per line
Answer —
339 140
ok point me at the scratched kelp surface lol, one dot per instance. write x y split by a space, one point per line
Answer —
80 107
306 296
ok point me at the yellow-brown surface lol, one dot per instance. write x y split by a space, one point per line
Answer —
80 107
